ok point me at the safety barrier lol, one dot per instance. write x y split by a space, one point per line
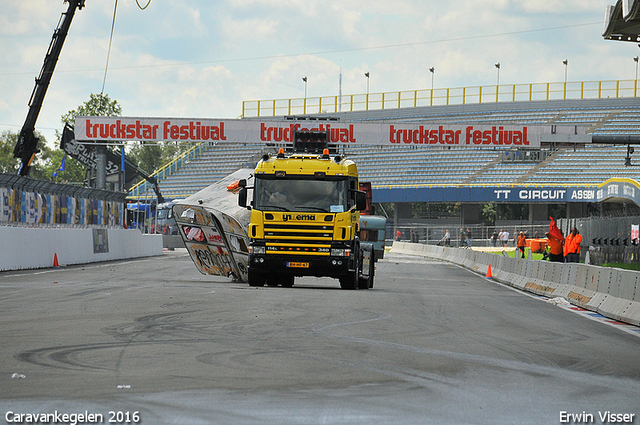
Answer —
43 247
614 293
43 223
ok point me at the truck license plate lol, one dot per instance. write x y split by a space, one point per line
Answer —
297 265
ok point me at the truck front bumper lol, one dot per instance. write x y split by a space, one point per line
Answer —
300 265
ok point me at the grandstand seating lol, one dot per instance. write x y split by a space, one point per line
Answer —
428 165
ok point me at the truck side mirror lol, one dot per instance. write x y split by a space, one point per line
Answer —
242 197
361 200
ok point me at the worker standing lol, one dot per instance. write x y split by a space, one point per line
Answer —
555 248
572 246
522 243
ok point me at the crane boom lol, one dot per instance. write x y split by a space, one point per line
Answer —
27 146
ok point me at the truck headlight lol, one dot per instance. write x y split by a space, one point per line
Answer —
260 250
340 252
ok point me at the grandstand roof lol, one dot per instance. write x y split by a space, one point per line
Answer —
622 21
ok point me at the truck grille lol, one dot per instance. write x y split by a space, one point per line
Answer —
302 239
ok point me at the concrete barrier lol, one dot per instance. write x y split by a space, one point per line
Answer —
614 293
35 247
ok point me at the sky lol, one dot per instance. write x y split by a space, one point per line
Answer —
203 58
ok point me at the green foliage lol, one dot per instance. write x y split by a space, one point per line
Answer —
434 209
488 213
74 171
10 165
97 105
148 156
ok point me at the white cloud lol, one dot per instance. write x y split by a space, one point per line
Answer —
200 58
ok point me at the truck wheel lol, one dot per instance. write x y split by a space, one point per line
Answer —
287 281
256 279
349 281
367 283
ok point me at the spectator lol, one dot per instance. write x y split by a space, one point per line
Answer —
398 234
522 243
505 238
469 237
463 238
572 246
494 238
447 238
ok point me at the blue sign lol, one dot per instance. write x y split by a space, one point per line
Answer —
482 194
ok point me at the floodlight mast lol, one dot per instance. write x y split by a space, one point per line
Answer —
27 146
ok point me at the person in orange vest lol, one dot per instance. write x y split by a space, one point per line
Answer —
572 246
522 243
555 249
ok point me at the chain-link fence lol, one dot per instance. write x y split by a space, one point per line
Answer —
476 235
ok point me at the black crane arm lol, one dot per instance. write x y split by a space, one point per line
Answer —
27 146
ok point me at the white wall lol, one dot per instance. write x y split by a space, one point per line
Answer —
31 248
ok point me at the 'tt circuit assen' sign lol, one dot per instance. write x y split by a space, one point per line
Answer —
250 131
510 194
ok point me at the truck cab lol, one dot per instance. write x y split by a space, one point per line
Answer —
305 217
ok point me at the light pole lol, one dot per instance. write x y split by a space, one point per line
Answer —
498 77
636 61
304 104
366 74
566 67
433 73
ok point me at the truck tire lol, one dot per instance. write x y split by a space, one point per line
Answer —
349 281
287 281
256 279
367 282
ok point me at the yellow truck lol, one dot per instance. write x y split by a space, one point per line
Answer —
305 217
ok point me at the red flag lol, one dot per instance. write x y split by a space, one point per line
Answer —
554 231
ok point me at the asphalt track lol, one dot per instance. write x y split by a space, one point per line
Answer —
432 343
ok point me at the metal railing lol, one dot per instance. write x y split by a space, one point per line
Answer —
441 97
139 189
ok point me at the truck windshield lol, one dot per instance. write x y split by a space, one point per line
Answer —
301 195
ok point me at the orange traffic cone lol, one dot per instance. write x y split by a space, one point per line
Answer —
489 272
55 260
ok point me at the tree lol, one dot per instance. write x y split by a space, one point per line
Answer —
97 105
148 156
10 165
488 213
74 171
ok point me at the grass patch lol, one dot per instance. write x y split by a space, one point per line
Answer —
512 254
624 266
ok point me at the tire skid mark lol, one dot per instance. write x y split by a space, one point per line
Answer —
156 329
515 365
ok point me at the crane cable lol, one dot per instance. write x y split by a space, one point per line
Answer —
113 24
143 8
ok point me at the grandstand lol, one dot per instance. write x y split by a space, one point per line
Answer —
427 166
